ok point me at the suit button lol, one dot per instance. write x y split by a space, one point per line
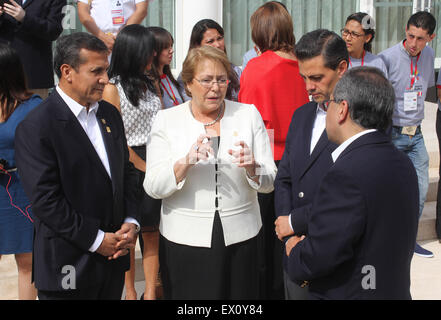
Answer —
304 284
301 195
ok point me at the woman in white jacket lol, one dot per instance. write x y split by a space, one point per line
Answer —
207 159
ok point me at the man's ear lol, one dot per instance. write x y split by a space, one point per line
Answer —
342 68
432 37
343 111
66 72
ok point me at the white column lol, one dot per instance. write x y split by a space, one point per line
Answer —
188 13
368 7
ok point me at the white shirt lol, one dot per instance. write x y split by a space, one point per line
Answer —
319 127
101 12
337 152
91 127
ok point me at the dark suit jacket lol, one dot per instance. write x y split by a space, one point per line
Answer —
300 172
365 215
33 38
71 193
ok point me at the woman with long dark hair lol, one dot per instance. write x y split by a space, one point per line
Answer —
208 32
173 93
135 95
358 34
16 227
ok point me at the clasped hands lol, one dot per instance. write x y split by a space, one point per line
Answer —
14 10
283 229
117 244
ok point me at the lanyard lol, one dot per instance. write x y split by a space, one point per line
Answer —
172 96
413 74
362 59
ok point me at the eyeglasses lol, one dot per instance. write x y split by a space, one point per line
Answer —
346 32
222 83
328 102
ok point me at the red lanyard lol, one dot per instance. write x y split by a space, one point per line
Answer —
362 59
172 95
413 74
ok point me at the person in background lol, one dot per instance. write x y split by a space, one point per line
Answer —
411 70
273 84
207 159
208 32
358 34
105 18
173 93
16 227
30 26
134 94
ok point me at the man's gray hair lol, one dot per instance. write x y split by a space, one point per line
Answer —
370 97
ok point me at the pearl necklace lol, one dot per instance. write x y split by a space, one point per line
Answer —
215 120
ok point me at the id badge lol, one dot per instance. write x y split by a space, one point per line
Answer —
410 101
117 12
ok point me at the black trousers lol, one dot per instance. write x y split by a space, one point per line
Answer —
217 273
273 283
110 289
438 200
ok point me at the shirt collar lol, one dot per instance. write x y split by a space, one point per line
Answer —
337 152
74 106
320 109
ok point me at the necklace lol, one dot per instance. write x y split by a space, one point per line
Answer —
215 120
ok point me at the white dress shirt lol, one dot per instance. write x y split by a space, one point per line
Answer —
91 127
337 152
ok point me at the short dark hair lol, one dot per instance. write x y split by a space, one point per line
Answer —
197 34
370 97
68 47
361 18
133 50
272 28
424 20
323 42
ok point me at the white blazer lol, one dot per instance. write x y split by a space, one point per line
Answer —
188 208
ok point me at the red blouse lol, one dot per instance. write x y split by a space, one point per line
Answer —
273 84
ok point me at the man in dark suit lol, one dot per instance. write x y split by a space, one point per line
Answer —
72 156
323 59
30 26
363 221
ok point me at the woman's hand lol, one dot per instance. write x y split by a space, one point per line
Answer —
14 10
199 151
244 158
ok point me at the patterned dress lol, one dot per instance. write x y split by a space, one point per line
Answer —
138 122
